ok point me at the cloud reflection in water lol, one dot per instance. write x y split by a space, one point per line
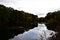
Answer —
38 33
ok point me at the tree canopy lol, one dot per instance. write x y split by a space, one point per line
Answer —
53 17
9 16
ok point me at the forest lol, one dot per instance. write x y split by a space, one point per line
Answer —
11 17
13 22
52 21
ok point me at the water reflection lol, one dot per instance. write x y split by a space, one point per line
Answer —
38 33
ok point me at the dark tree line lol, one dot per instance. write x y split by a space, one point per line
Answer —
53 17
13 22
41 20
11 17
53 23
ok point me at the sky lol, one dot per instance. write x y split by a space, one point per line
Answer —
36 7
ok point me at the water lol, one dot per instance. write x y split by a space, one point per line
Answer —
38 33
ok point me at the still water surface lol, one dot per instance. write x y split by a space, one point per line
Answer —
38 33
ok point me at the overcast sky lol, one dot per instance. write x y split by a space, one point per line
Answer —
37 7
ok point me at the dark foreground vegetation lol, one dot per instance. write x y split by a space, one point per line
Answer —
13 22
52 21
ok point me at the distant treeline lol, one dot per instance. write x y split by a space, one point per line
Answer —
11 17
51 18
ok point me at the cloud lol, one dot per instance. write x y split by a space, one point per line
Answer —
33 6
